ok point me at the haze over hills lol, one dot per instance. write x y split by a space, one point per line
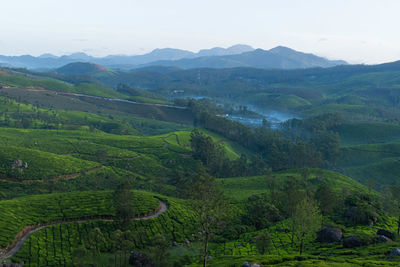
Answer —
80 68
276 58
217 57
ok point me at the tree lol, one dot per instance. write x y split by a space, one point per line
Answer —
391 202
159 250
211 208
123 199
260 213
205 150
96 240
306 220
263 242
326 197
78 255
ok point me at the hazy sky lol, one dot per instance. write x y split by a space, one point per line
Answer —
360 31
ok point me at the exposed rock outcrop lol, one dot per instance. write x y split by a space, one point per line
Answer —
352 242
329 235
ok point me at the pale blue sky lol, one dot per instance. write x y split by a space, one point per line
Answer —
360 31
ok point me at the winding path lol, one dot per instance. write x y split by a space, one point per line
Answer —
22 237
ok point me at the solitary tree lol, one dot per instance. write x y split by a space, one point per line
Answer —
306 220
123 199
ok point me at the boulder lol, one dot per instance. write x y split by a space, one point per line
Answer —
383 239
246 264
394 253
352 242
329 235
386 233
17 163
139 259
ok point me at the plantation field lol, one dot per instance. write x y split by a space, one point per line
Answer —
40 209
37 164
240 188
182 138
282 253
56 244
39 83
54 100
368 133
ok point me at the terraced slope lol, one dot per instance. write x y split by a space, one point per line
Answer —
71 217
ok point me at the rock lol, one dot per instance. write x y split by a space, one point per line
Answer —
394 253
386 233
384 239
139 259
187 241
352 242
282 230
246 264
329 235
17 163
255 265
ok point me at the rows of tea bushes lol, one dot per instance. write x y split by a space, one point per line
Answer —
55 245
281 244
22 163
41 209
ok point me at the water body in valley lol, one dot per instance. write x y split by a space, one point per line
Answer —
273 117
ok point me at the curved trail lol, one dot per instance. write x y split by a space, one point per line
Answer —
10 251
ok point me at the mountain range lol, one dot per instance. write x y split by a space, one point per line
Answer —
235 56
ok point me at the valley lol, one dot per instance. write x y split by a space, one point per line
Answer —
252 169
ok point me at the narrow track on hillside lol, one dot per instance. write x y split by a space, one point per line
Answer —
25 233
41 89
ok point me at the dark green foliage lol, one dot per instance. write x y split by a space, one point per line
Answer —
260 213
263 242
278 151
204 149
123 203
306 220
159 249
211 208
362 208
327 198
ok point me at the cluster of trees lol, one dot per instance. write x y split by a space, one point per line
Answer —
294 198
277 151
212 156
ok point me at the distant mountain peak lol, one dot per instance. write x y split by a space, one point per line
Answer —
47 55
81 68
219 51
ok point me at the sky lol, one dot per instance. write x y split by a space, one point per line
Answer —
358 31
